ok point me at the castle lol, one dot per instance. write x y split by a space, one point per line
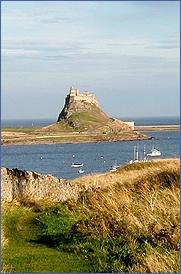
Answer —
75 100
85 96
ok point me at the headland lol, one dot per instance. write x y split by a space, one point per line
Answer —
80 120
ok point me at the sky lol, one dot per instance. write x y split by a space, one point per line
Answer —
126 52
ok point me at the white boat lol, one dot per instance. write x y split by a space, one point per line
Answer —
154 153
138 157
77 165
113 169
115 166
81 171
135 155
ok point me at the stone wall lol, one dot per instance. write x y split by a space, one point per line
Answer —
18 185
131 124
86 96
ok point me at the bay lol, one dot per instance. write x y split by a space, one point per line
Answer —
56 159
45 122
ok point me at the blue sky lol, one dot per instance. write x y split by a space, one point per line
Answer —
126 52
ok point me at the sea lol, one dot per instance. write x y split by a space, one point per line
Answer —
98 157
45 122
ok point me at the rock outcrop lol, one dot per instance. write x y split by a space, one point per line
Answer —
19 185
82 112
77 101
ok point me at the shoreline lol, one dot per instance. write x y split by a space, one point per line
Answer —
158 128
29 136
51 142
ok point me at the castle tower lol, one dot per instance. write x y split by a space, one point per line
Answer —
73 91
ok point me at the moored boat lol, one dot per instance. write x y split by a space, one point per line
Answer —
81 171
154 153
77 165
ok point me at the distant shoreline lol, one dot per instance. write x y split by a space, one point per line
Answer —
53 142
25 136
29 136
158 128
138 121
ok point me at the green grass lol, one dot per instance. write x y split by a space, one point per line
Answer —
21 129
85 116
22 253
86 120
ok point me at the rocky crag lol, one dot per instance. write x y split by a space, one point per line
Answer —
20 185
82 113
81 120
76 102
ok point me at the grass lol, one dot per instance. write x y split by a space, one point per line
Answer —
90 125
86 117
50 136
21 251
21 129
129 224
85 120
79 121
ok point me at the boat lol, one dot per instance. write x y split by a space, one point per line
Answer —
115 166
113 169
77 165
135 155
154 152
138 156
81 171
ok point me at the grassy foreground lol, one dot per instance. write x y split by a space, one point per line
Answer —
129 224
20 251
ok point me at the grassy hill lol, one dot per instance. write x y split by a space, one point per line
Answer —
128 223
79 121
90 122
85 117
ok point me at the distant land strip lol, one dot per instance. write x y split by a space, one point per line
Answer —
158 127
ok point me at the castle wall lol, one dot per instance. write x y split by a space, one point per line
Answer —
131 124
86 96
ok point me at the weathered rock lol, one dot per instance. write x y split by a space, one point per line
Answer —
18 185
80 102
82 112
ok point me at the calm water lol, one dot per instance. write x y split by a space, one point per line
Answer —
97 157
46 122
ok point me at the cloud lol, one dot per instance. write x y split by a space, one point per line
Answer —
170 41
26 53
166 44
57 20
55 57
44 43
19 53
58 48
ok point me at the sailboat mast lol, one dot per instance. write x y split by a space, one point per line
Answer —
144 153
137 154
134 153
